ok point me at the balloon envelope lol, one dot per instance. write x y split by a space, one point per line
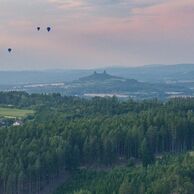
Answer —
9 50
38 28
48 29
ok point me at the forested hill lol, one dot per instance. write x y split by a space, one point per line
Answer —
101 77
148 73
121 82
69 133
107 84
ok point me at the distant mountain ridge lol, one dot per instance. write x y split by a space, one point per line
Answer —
138 82
107 84
148 73
156 73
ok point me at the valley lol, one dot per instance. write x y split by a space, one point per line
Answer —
103 83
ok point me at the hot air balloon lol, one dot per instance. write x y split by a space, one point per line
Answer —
38 28
9 50
48 29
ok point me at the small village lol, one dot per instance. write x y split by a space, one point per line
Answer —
8 122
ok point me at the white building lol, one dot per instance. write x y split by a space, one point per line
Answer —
17 123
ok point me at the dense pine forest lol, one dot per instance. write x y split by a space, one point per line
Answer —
83 140
168 176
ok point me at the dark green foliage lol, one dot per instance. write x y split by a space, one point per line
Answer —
67 133
147 155
167 176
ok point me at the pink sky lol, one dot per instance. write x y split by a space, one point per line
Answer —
92 34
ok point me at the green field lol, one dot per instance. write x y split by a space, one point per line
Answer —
15 112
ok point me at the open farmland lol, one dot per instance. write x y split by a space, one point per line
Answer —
15 112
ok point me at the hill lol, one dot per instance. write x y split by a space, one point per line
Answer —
104 84
154 81
157 73
147 73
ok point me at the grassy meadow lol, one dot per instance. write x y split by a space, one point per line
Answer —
14 112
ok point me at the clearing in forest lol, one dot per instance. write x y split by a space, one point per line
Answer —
15 112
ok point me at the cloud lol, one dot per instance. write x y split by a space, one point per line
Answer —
102 8
68 4
172 18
